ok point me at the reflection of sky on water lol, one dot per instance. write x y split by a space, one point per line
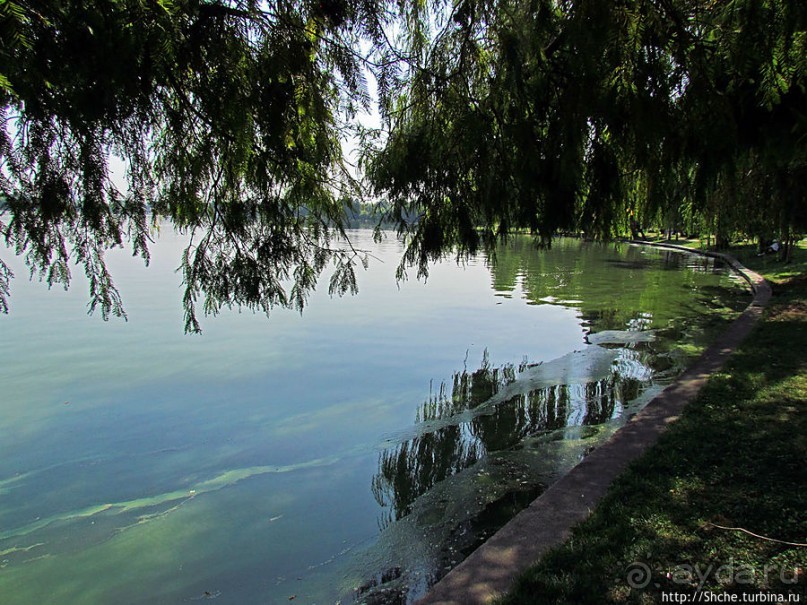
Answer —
140 465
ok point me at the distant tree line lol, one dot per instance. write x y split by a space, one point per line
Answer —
545 115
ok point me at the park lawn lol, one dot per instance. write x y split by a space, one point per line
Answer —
736 458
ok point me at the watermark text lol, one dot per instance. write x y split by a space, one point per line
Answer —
700 577
708 596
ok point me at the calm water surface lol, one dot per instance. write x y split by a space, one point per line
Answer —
352 454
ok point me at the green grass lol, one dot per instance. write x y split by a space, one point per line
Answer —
736 458
774 270
779 273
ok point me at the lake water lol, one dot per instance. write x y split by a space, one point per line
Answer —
354 453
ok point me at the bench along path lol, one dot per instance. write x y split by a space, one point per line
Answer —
490 570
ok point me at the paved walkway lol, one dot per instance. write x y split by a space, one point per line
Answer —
490 570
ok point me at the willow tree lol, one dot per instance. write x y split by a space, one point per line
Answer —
553 115
229 116
745 141
547 115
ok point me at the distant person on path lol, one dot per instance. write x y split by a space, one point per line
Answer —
772 249
635 229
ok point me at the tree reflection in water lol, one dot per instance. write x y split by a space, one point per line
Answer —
414 466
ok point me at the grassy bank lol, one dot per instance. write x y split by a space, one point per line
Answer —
737 458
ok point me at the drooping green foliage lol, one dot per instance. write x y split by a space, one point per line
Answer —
546 115
552 115
228 115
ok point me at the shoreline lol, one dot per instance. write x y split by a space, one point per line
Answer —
491 569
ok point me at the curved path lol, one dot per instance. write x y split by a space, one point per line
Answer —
490 570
